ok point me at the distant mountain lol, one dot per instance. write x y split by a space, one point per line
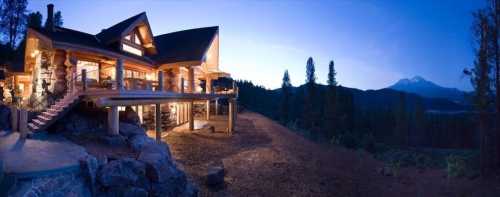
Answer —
424 88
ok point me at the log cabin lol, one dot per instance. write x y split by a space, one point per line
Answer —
123 65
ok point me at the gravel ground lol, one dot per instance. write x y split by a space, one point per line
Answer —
263 158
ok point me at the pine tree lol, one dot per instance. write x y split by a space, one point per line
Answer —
480 79
332 81
494 10
310 72
13 20
58 19
34 20
309 111
285 100
330 115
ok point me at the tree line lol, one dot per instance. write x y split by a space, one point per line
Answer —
15 19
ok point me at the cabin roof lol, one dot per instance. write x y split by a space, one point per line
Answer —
114 32
65 35
186 45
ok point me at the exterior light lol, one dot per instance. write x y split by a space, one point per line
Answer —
35 53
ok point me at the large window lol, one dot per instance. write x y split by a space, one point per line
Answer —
131 49
92 69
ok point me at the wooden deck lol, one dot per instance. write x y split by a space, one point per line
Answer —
106 98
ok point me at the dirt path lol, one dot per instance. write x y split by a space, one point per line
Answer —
263 158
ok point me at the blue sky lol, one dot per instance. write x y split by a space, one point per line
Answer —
373 43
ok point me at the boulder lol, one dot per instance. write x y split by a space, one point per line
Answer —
113 140
129 130
121 172
4 117
215 175
165 177
159 167
129 116
89 166
126 192
137 142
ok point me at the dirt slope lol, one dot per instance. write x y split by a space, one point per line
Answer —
263 158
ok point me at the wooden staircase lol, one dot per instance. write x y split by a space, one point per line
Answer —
54 112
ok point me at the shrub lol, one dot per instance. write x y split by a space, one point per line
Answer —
456 166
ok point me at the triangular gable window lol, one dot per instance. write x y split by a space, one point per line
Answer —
136 39
128 37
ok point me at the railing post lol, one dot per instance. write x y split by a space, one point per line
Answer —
84 79
119 74
160 80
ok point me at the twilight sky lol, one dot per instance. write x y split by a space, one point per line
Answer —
373 43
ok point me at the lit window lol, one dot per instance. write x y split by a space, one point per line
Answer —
91 68
137 40
132 49
127 37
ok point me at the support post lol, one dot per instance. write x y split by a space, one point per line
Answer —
177 120
190 115
14 118
191 79
181 113
84 80
230 117
208 86
216 106
113 120
186 115
23 123
160 80
119 74
158 122
208 109
182 85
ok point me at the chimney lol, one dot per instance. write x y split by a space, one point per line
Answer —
49 24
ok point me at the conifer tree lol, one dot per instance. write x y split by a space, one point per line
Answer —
330 115
285 99
309 111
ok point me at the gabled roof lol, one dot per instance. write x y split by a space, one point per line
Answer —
114 32
65 35
187 45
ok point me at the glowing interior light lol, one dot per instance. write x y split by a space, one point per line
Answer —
131 49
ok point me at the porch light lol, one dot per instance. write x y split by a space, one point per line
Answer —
34 53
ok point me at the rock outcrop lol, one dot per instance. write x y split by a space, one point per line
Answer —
5 118
151 173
